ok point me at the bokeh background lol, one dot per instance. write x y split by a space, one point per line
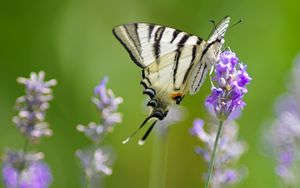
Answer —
71 40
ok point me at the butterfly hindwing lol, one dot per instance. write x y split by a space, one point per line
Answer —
210 55
169 75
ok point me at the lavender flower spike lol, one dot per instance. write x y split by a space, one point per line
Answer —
27 171
95 161
282 137
107 105
229 151
32 107
231 77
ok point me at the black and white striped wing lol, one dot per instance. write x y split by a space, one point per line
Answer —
166 79
210 55
148 42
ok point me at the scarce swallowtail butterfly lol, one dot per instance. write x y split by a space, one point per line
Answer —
173 62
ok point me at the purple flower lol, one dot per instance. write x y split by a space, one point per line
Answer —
231 78
93 131
27 171
228 153
95 162
107 105
32 107
283 136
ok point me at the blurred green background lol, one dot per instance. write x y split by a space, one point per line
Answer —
72 41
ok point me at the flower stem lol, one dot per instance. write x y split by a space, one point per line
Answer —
158 168
212 160
25 147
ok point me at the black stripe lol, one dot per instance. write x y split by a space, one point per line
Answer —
199 40
191 65
137 37
175 33
148 80
206 49
177 57
151 27
183 40
134 41
145 78
198 72
128 50
143 73
144 85
203 53
159 33
199 83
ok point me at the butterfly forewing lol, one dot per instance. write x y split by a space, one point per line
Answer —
219 30
147 42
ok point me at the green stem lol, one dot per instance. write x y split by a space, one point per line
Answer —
23 155
88 182
212 160
159 157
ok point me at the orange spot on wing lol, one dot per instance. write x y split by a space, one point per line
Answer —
176 95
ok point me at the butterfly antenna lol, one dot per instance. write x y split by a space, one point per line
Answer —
236 23
143 139
137 130
215 25
213 22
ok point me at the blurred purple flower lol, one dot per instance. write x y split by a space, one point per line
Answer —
283 136
93 131
107 105
228 153
231 78
27 171
284 139
32 107
95 162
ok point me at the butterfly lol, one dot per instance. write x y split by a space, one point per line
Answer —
173 62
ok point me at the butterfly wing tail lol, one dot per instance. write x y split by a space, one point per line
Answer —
137 130
143 139
156 115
